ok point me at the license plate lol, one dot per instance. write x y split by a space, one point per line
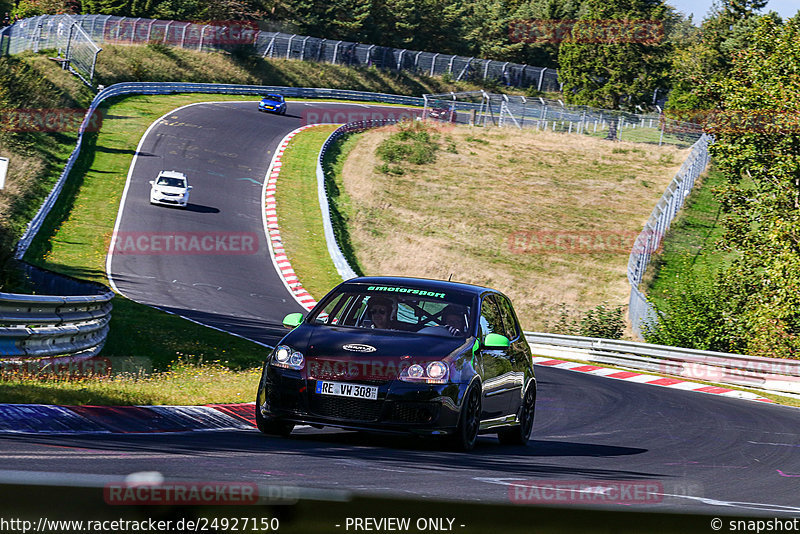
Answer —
340 389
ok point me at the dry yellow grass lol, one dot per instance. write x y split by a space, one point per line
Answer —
462 214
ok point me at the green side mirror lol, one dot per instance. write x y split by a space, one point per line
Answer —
293 320
495 341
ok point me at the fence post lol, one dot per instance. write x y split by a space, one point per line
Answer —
450 65
183 35
69 44
133 30
166 31
150 30
486 69
289 46
336 52
400 58
94 63
202 36
369 54
433 63
303 51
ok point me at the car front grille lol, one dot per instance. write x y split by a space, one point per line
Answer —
414 412
363 410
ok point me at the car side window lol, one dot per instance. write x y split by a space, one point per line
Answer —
509 319
491 320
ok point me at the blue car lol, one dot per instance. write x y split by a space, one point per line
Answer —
273 104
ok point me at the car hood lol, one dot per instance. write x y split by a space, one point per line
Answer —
168 189
347 353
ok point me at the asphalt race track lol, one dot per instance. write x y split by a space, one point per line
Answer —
704 452
225 150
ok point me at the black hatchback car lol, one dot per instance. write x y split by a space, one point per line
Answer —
403 355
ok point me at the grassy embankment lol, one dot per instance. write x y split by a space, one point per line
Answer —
501 207
690 244
75 237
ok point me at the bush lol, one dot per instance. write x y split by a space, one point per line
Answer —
412 144
601 321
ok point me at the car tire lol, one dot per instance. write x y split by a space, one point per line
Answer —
521 433
469 422
272 426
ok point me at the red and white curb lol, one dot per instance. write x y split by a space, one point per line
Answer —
632 376
274 242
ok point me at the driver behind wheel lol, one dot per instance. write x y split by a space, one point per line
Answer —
455 319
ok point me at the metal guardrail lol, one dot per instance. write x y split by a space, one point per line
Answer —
37 326
339 261
773 374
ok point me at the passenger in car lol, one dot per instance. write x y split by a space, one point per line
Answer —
379 311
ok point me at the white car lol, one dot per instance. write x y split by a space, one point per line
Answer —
171 188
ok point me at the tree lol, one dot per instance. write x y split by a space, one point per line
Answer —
609 61
757 146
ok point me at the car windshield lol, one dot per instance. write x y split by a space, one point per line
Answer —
275 98
170 181
408 309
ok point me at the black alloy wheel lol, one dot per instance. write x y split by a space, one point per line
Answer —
521 433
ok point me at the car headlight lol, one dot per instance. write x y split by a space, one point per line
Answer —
287 358
433 373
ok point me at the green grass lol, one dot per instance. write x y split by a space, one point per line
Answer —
181 384
75 237
691 240
338 199
299 215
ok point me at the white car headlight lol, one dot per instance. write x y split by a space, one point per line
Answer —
285 357
433 373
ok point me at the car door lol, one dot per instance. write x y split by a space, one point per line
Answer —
495 363
517 352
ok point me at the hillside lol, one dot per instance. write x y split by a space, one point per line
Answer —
547 218
31 82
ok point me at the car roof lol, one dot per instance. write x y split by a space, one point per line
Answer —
271 97
421 283
171 174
